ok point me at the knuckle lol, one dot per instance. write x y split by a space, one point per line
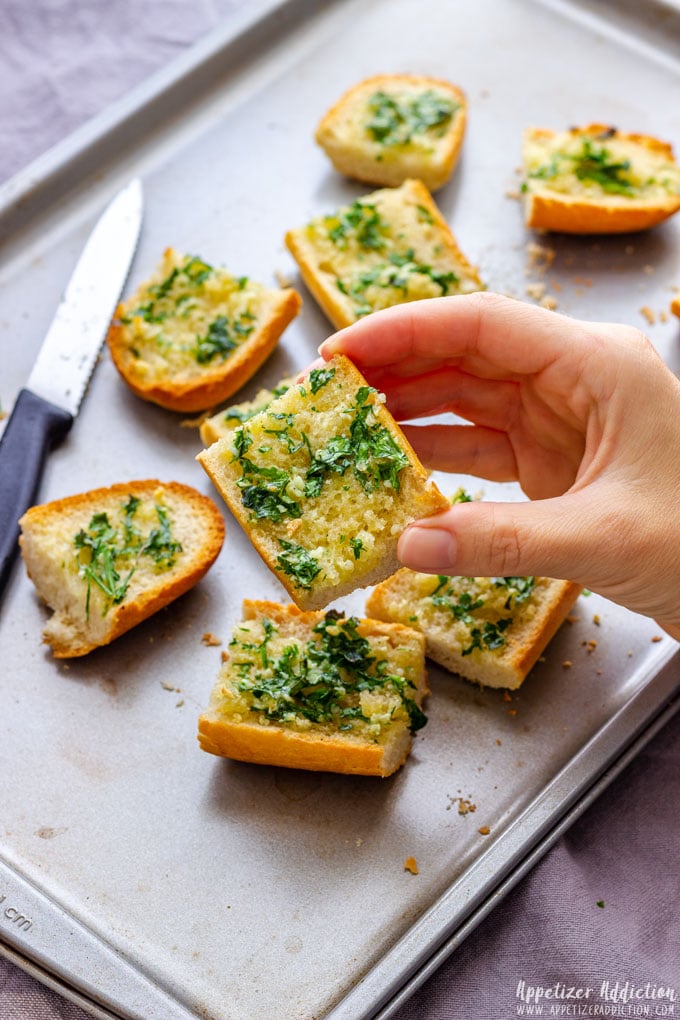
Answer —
504 543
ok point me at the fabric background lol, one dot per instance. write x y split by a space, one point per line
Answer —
61 61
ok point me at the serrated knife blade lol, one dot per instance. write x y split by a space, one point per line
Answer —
45 409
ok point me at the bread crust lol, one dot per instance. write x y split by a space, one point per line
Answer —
326 292
546 209
217 382
417 491
359 161
506 668
675 305
310 750
42 522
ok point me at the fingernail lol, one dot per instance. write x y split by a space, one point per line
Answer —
328 348
428 549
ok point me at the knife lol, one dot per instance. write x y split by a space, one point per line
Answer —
46 408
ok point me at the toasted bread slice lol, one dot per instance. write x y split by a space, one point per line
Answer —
222 424
315 691
597 180
487 629
192 335
386 248
323 482
105 560
391 127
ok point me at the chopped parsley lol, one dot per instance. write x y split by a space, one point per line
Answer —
107 555
593 164
320 377
223 337
298 563
397 272
322 679
357 547
395 122
360 222
370 450
490 636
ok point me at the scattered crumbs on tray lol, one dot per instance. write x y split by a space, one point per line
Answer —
647 313
600 672
629 653
483 830
282 279
548 301
600 904
499 742
178 704
513 194
648 270
567 664
224 656
48 832
512 711
507 696
596 620
210 639
573 619
535 290
465 806
541 257
590 646
656 638
170 687
411 865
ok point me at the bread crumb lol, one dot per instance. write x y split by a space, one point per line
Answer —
499 742
514 195
210 639
224 656
573 619
512 711
648 314
663 316
656 638
540 256
549 302
535 290
179 703
600 672
483 830
592 645
465 806
596 619
168 686
567 664
410 864
282 280
507 696
629 653
648 270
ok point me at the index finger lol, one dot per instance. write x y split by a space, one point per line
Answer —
480 327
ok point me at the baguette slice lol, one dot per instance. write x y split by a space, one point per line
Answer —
391 127
323 481
145 542
192 335
597 180
315 691
387 248
490 630
225 422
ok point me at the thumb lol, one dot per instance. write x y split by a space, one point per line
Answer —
549 537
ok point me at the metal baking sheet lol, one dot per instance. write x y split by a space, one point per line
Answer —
157 882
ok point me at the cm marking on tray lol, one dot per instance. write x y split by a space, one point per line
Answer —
608 999
13 915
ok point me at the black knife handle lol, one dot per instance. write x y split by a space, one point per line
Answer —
34 427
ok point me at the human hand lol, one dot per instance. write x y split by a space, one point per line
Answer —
585 416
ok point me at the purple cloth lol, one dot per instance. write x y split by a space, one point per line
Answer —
604 905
